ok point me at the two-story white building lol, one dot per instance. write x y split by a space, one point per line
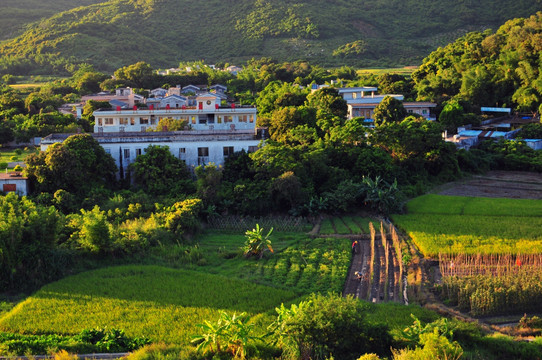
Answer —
362 101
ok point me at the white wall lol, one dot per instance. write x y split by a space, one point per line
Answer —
216 150
21 185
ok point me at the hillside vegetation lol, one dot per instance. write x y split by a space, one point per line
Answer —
16 14
162 32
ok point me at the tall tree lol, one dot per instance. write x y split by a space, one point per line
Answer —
328 99
389 110
159 172
76 165
140 74
28 234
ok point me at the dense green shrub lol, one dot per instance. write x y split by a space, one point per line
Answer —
182 217
87 341
28 236
329 325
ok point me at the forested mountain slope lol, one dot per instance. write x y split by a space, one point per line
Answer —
16 14
500 69
330 32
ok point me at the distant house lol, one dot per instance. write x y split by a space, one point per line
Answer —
158 92
361 102
176 90
354 93
125 95
68 109
173 101
420 108
119 104
234 70
195 89
206 113
14 182
218 88
315 87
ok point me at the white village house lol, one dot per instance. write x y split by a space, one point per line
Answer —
362 101
14 182
213 132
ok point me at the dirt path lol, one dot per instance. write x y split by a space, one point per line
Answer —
360 263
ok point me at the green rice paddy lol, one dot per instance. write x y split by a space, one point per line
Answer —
458 224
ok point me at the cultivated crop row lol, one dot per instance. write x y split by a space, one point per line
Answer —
241 223
489 295
345 225
313 265
492 284
462 225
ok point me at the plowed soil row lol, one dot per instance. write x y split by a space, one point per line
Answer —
502 184
383 284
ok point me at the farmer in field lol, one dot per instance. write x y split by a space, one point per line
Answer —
358 275
355 247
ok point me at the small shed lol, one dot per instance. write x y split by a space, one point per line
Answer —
14 182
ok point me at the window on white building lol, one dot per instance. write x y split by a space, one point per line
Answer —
123 121
203 151
138 152
182 153
127 154
100 122
203 155
228 150
144 121
108 121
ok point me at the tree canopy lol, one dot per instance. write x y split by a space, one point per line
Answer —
158 172
76 165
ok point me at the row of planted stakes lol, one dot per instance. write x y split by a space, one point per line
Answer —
386 273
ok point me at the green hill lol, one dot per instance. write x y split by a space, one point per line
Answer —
15 15
329 32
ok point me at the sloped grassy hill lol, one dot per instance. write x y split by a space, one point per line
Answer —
162 32
16 14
